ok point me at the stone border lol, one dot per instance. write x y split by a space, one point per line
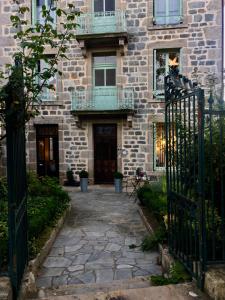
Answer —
28 287
165 259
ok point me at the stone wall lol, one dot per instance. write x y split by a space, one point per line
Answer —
198 37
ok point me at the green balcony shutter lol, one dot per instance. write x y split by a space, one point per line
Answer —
160 11
174 11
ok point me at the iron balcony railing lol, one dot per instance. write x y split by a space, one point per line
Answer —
100 99
101 22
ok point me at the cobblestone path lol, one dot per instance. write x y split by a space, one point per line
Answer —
93 245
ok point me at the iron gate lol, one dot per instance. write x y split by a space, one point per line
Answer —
16 177
195 155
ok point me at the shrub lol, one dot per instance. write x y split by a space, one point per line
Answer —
69 175
151 242
118 175
83 174
177 274
146 188
45 204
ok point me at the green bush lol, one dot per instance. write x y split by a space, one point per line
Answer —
45 204
141 192
118 175
152 241
177 274
83 174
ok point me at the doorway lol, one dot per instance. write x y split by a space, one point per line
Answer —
105 152
47 142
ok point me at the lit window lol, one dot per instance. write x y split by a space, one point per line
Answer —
37 11
159 142
163 59
167 12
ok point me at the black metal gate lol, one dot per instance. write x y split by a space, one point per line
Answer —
16 177
195 152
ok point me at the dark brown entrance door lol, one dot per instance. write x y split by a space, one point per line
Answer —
105 152
47 150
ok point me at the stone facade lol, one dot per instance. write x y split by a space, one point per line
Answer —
198 37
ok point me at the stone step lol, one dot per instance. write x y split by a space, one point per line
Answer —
174 292
78 289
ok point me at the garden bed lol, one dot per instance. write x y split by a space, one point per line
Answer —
46 203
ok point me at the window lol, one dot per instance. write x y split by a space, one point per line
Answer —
167 12
159 142
46 94
37 11
163 59
104 70
104 5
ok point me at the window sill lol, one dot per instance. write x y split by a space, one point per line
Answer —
51 103
153 26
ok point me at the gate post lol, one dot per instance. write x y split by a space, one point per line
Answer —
201 187
16 178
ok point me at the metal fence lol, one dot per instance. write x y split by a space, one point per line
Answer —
16 178
195 154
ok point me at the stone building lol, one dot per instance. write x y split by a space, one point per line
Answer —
107 113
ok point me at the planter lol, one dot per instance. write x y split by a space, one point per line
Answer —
84 184
118 185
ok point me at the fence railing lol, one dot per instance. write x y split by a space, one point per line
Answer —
98 99
195 147
101 22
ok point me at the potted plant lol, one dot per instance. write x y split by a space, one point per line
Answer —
118 178
70 178
83 180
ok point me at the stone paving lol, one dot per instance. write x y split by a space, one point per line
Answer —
93 245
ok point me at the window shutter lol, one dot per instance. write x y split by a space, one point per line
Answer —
160 11
174 11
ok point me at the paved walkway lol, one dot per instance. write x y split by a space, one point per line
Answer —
93 245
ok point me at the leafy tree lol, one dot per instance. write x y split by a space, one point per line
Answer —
32 41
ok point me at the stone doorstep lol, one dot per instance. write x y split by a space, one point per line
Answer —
174 292
28 286
105 287
214 277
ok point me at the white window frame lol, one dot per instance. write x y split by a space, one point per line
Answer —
47 94
160 93
167 17
35 19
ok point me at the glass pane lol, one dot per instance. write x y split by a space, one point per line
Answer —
174 12
160 145
110 77
163 61
160 11
98 5
99 78
105 59
40 2
109 5
160 70
174 58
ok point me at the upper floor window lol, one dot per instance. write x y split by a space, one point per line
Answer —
167 12
104 70
163 59
46 93
104 5
37 16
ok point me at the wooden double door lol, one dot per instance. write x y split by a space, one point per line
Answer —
105 152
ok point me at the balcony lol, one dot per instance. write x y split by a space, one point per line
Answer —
102 29
103 100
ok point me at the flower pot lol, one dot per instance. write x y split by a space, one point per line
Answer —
118 185
84 184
